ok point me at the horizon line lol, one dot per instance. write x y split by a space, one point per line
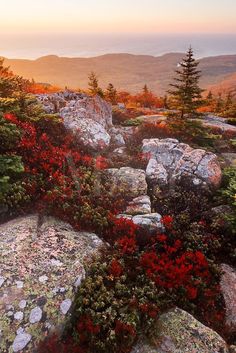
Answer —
109 53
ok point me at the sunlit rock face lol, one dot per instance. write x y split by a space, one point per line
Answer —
90 118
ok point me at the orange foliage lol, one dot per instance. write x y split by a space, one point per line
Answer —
40 88
205 109
143 99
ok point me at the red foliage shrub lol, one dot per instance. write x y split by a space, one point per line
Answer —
115 268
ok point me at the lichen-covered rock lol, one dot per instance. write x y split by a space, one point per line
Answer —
228 288
35 315
170 161
88 117
138 206
219 123
179 332
90 133
117 138
230 159
21 341
41 261
126 182
156 173
149 222
71 105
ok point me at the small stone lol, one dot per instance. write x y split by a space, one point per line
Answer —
22 304
19 284
232 349
56 263
48 325
35 315
43 279
21 341
9 307
65 306
62 290
19 315
10 313
197 181
56 290
2 280
79 279
20 330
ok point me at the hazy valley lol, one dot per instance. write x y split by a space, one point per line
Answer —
127 72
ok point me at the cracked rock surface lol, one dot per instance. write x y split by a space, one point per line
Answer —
170 161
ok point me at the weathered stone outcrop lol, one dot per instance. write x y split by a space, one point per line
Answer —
78 105
228 288
148 222
90 118
90 133
230 159
170 161
138 206
126 182
220 124
179 332
41 264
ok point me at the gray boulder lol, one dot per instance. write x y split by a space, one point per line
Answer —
89 133
179 332
170 161
228 289
149 222
126 182
139 205
89 118
219 123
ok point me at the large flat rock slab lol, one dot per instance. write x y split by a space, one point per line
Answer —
42 262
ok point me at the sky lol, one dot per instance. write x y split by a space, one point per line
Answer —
117 16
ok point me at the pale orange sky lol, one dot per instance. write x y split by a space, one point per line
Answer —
66 16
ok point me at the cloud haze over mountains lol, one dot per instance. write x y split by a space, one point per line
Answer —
32 46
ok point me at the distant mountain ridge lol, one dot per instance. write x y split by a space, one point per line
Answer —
126 71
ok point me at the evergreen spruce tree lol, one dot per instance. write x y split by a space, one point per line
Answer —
111 94
145 89
219 104
165 102
185 91
146 98
209 97
229 101
94 88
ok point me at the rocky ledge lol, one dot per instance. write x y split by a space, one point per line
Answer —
170 162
